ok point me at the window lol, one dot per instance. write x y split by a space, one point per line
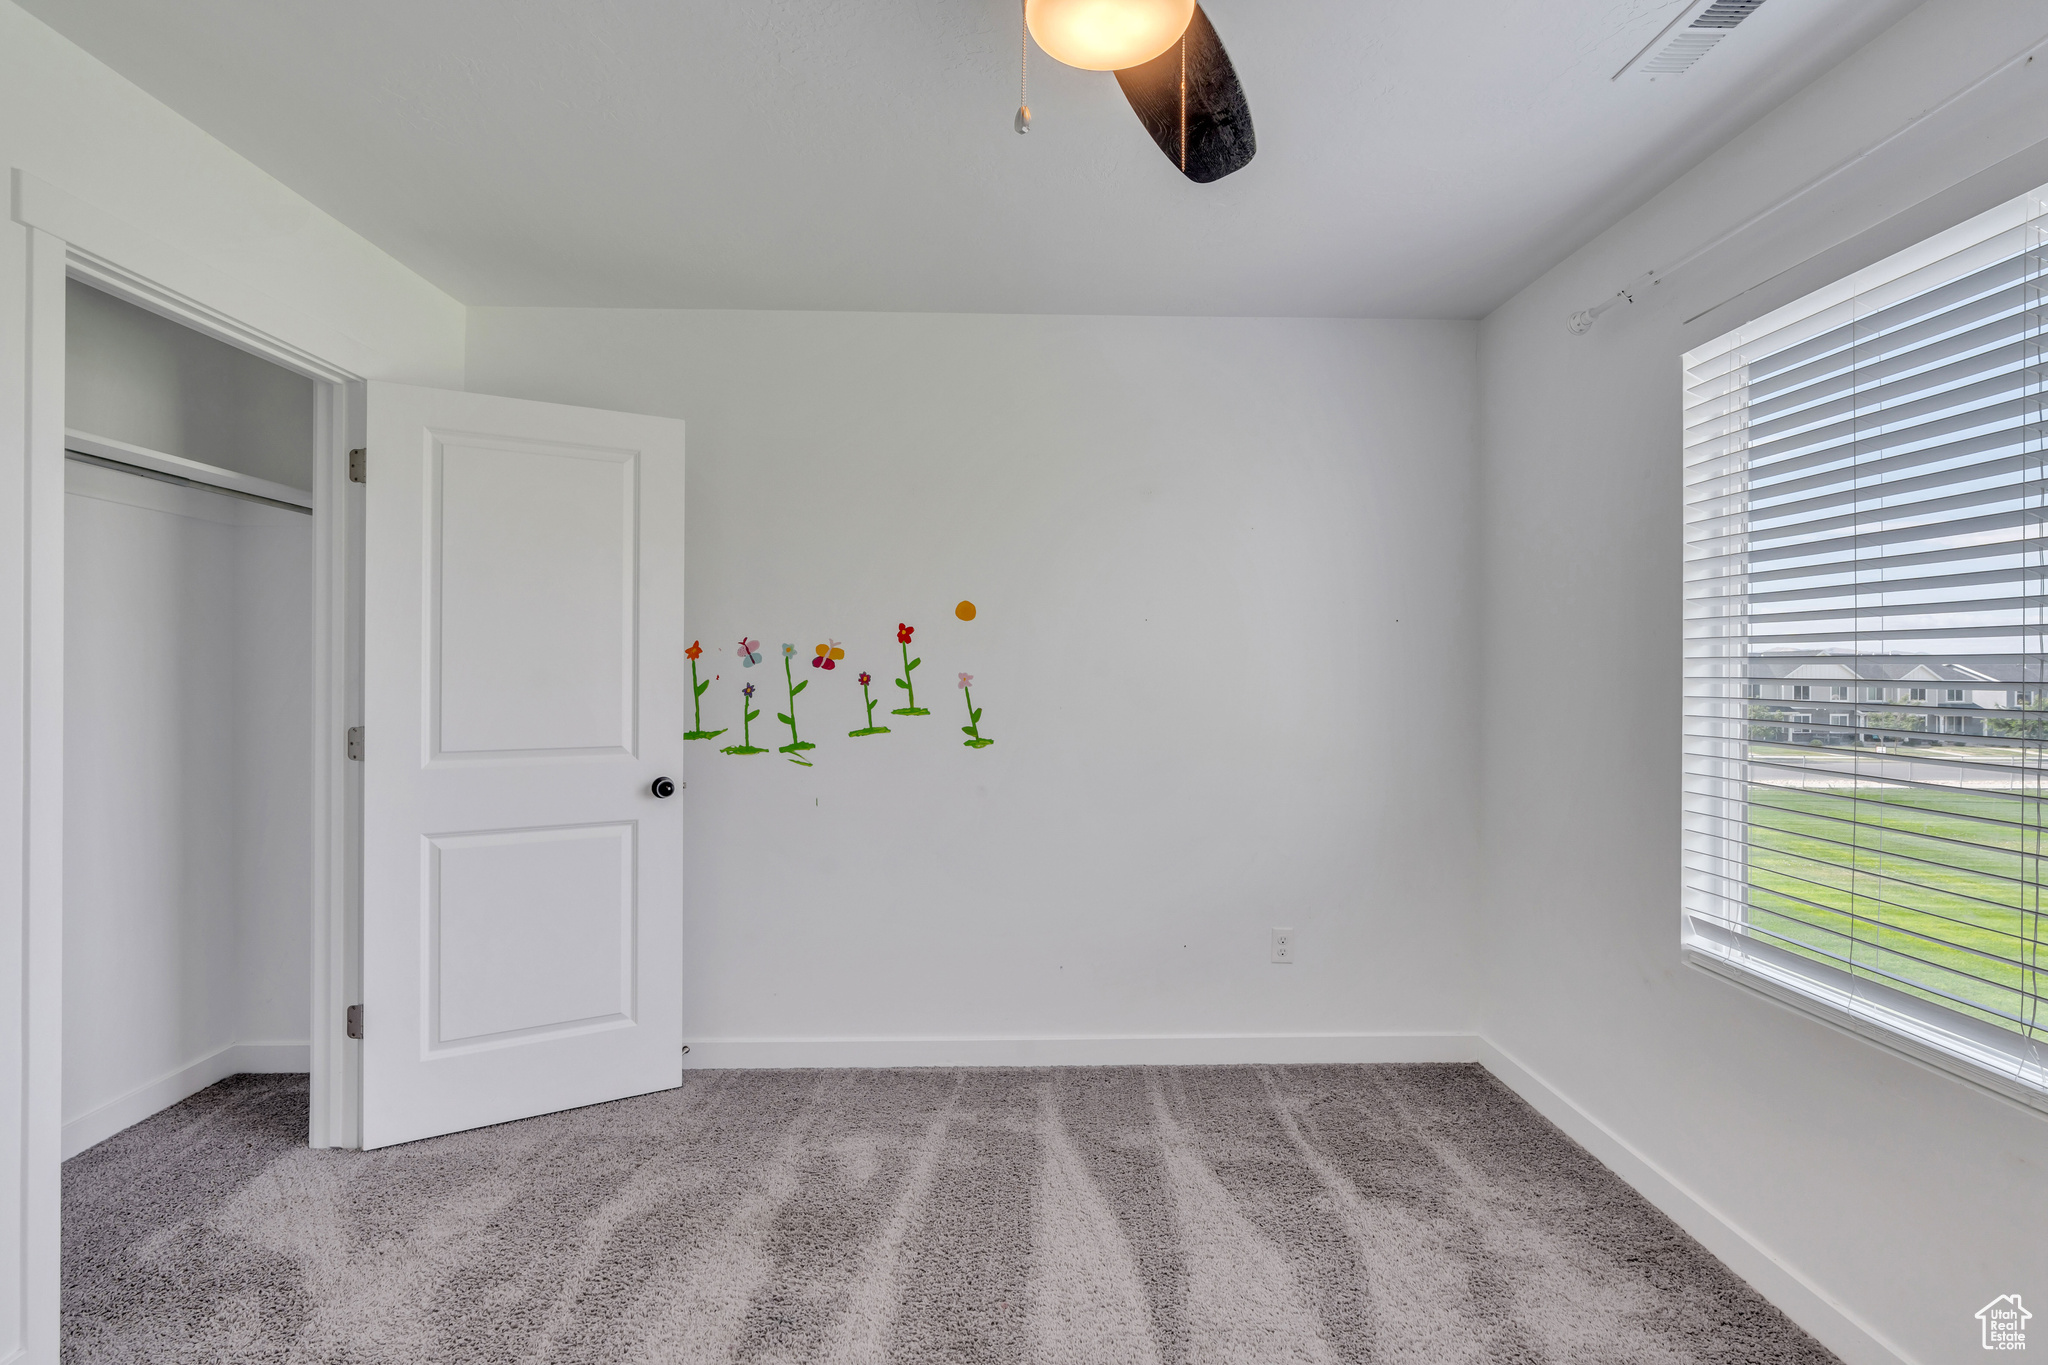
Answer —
1838 694
1866 488
1802 693
1756 689
1873 694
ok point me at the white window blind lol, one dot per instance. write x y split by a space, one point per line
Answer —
1866 511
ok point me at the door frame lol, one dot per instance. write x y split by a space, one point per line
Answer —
68 238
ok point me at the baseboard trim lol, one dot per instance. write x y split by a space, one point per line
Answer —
1135 1050
1831 1323
124 1111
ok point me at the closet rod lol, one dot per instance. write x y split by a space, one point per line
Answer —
103 462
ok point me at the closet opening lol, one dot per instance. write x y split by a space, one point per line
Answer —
189 698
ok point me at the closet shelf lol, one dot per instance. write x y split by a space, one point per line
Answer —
141 457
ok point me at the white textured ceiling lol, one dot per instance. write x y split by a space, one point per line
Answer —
1416 157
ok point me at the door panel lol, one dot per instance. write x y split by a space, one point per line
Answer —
531 932
522 886
534 615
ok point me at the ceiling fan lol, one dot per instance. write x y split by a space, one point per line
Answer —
1171 66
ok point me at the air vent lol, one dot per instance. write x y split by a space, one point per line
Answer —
1680 53
1689 37
1727 13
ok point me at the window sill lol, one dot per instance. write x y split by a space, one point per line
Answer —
1944 1040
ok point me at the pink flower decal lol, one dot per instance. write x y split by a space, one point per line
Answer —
972 729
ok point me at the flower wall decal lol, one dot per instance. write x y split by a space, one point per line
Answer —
910 706
697 730
748 715
870 728
796 743
826 658
973 727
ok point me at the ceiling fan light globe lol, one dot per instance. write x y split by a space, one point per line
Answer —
1107 35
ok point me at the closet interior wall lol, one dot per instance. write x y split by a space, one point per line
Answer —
188 694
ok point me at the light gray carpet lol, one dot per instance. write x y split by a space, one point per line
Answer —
1125 1216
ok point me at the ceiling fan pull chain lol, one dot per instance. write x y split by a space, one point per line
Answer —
1023 120
1183 103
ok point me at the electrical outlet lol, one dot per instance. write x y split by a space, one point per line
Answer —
1283 945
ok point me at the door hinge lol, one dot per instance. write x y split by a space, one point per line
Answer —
353 743
358 464
355 1021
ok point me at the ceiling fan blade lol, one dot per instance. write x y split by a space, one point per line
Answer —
1219 121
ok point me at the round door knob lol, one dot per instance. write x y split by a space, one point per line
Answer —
663 788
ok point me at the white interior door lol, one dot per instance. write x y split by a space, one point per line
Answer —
522 884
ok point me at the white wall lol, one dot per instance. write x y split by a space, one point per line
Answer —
188 821
1225 649
133 376
273 787
1894 1201
208 215
125 178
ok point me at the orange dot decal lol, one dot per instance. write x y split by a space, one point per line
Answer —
965 611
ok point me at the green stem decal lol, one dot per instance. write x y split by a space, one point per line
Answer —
789 718
973 727
910 706
697 730
748 715
871 728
